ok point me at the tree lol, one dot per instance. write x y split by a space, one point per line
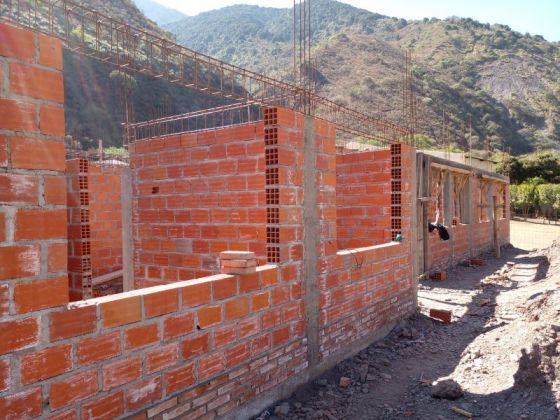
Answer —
544 165
524 197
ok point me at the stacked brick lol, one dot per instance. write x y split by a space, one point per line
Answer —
236 262
195 195
79 230
363 198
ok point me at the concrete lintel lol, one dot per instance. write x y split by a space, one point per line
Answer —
462 167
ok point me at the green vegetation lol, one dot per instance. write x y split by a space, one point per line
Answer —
542 165
537 199
507 82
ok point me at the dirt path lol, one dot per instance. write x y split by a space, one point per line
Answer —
486 350
533 234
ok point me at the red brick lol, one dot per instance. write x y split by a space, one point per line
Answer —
160 303
22 405
280 336
66 415
223 336
36 83
17 116
72 323
95 349
122 372
141 336
161 358
210 365
40 294
3 148
18 334
196 294
50 52
177 326
16 188
180 378
37 154
75 388
222 289
108 407
249 283
237 308
55 190
444 316
143 393
2 227
40 224
260 301
237 355
45 364
19 261
195 346
58 258
17 43
121 311
209 316
4 375
4 299
51 120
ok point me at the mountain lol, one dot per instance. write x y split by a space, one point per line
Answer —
507 83
158 13
92 92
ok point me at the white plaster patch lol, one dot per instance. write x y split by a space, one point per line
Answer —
29 261
22 185
141 393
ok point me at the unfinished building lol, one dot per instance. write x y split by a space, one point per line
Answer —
323 238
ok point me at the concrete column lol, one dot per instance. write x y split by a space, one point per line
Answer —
127 241
310 242
448 214
415 159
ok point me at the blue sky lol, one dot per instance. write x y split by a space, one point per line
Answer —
538 17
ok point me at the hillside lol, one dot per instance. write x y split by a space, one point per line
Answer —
158 13
507 82
93 105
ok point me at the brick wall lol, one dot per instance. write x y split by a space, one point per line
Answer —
210 346
79 229
94 224
363 198
33 226
367 289
105 218
195 195
473 238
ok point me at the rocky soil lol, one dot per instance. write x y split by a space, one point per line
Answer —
497 359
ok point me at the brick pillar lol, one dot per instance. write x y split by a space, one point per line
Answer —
32 185
301 208
79 232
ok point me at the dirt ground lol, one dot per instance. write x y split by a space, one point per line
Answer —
497 359
533 233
